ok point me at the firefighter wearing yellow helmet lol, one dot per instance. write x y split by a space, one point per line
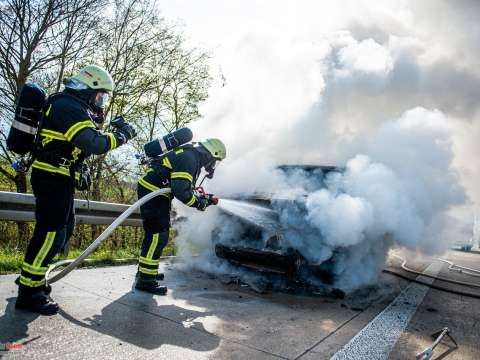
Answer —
178 169
68 135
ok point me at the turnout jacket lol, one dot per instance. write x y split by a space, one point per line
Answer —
178 169
68 135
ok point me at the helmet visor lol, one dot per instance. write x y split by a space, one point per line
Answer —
101 99
74 84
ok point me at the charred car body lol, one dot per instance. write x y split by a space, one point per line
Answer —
259 245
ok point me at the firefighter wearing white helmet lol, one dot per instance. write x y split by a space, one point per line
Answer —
68 135
93 84
179 170
95 77
215 147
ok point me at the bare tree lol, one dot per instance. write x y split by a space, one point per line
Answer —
186 90
77 39
159 83
152 71
37 37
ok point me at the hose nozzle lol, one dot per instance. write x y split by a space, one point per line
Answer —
212 199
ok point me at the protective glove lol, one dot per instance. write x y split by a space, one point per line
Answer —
122 127
202 203
83 179
212 199
119 136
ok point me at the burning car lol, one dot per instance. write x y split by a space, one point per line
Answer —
255 237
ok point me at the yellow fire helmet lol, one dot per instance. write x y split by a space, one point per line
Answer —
95 77
215 147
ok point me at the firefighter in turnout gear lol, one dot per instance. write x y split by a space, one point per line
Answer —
179 170
68 135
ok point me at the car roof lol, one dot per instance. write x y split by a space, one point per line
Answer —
309 168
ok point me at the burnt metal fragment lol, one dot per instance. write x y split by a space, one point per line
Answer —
259 260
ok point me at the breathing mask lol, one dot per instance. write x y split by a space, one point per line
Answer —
210 168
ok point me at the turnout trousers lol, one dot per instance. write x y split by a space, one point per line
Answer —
156 225
55 222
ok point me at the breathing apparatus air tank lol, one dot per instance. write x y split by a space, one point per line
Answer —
28 114
168 142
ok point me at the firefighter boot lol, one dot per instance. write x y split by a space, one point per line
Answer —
159 276
37 302
150 285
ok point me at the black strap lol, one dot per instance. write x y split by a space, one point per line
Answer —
53 156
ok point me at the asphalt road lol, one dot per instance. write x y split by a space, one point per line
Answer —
201 318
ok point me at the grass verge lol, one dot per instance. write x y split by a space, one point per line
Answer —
11 259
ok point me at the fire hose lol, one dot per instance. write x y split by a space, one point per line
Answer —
460 269
430 285
103 236
406 268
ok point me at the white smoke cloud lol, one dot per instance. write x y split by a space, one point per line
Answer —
376 88
398 194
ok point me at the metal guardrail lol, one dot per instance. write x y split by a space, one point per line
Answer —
21 207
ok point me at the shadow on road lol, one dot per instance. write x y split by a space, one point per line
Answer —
14 323
143 325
